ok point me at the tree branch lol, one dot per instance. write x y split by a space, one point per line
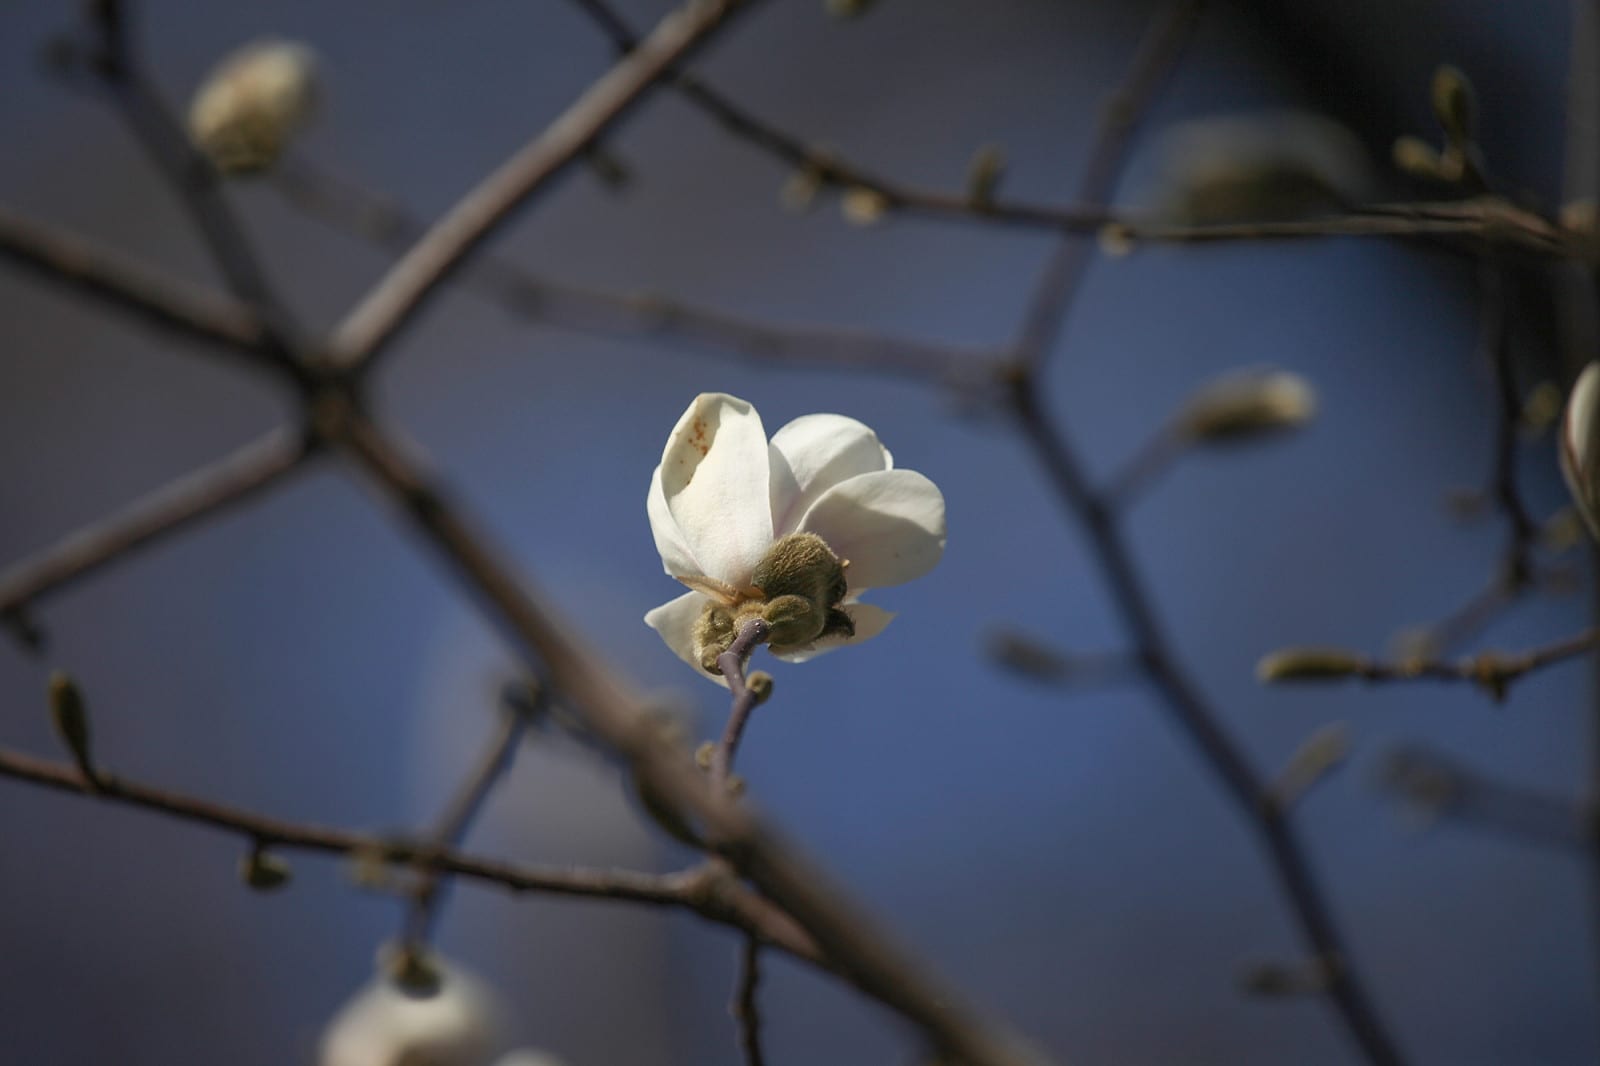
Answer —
696 890
201 494
746 1010
192 177
129 286
446 247
386 224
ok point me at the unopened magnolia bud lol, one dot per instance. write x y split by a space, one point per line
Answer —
863 206
1416 157
1246 404
1317 756
984 174
70 716
264 871
1454 104
760 685
1580 446
250 106
1309 664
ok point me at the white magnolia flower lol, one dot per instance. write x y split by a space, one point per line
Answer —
256 99
384 1025
793 530
1580 450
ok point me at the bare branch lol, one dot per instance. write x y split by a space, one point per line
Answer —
745 697
451 832
696 890
116 280
407 286
1437 785
746 1010
383 222
199 495
191 175
1120 118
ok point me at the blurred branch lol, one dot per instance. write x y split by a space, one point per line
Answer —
1493 671
423 907
1120 118
128 285
446 247
624 723
198 495
1436 785
199 188
745 1009
725 903
386 224
1053 300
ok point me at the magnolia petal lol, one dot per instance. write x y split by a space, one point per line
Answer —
715 474
1579 446
675 621
814 453
888 525
676 558
870 620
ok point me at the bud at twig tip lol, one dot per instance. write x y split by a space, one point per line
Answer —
69 713
1309 664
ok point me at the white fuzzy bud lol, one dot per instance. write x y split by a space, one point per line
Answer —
250 106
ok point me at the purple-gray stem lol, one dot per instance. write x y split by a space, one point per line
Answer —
732 663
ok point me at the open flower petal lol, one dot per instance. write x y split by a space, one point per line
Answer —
814 453
889 525
715 477
676 558
675 621
869 620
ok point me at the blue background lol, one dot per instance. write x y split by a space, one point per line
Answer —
1066 860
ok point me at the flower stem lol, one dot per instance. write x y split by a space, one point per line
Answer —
732 663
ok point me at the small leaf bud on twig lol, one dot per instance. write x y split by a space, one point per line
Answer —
1309 664
1248 404
70 715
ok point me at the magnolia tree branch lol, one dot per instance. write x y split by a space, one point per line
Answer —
746 697
745 1008
206 492
191 175
426 894
1437 786
445 248
721 900
1252 794
130 286
384 223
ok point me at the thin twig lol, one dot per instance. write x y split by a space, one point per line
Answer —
1120 117
732 663
386 224
128 285
1497 350
746 1010
1160 451
422 910
1494 671
262 463
193 178
698 890
445 248
623 722
1436 785
1052 302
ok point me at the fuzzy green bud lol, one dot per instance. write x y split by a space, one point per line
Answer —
1454 103
70 715
984 174
1309 664
1248 404
264 871
760 685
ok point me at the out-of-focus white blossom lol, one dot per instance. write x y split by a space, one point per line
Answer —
250 106
793 530
1580 451
384 1025
1258 167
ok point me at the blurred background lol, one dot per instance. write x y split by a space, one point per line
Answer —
1065 859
